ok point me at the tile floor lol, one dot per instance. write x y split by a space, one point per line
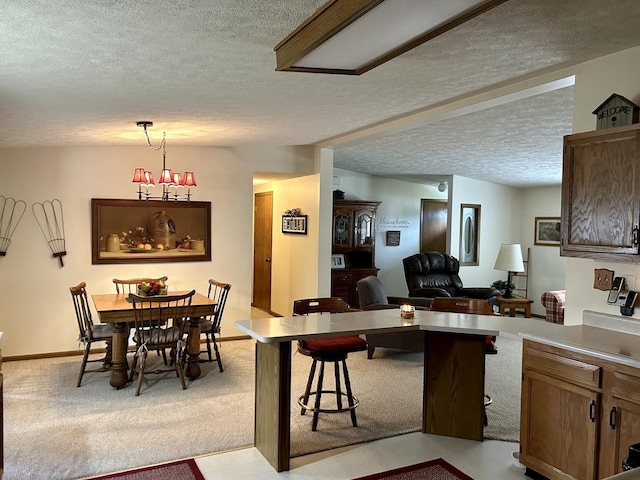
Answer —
486 460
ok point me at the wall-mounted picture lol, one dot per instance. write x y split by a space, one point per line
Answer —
393 238
547 231
337 260
469 234
294 224
149 231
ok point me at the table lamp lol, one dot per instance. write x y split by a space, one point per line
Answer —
510 260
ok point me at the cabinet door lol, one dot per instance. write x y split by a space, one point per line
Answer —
621 422
558 427
342 228
600 194
364 228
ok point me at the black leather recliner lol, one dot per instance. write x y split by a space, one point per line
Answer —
435 274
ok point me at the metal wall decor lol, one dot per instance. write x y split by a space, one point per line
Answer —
469 234
51 222
11 212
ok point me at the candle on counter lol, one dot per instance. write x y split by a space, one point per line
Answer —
407 311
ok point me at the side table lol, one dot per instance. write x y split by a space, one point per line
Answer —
512 304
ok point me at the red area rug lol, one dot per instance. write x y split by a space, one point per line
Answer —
180 470
432 470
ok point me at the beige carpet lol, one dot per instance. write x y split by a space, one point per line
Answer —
55 431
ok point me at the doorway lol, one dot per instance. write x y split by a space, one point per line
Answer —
262 244
434 223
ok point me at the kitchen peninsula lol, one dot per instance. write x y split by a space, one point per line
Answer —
449 339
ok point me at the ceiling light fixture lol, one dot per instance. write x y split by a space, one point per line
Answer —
351 37
168 178
443 186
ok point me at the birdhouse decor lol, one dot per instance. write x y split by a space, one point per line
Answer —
616 111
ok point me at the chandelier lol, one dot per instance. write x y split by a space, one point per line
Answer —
171 181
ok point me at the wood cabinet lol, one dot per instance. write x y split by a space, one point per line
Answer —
579 414
354 233
601 194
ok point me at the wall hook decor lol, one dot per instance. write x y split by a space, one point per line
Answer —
51 221
11 212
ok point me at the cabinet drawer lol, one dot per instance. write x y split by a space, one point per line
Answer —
342 277
574 371
626 387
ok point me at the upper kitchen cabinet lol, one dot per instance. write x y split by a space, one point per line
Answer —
601 194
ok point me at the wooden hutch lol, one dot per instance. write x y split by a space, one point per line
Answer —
354 233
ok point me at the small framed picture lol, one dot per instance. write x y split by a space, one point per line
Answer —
294 224
547 231
393 238
337 260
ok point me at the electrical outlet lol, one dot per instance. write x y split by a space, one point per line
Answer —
602 279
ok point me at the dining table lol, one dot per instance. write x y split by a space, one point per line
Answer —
117 309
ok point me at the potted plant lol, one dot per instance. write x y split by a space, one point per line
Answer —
501 285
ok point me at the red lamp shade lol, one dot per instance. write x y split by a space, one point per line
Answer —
188 179
166 176
148 178
177 182
138 175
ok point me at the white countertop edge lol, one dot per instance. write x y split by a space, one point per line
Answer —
624 360
611 322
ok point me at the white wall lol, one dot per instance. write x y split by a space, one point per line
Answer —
547 269
595 81
37 312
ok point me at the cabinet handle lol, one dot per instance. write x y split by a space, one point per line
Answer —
592 411
634 235
612 418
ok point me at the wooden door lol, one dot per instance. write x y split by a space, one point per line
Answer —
262 237
433 225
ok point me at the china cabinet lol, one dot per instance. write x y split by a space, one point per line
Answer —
579 414
354 233
601 194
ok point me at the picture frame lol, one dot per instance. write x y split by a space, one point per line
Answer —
469 234
149 231
337 260
547 231
296 224
393 238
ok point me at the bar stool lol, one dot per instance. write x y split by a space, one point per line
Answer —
332 349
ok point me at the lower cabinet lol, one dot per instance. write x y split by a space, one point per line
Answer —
343 283
579 414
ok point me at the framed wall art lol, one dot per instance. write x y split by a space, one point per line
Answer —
337 260
469 234
393 238
294 224
547 231
149 231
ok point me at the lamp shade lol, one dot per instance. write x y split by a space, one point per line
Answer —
510 258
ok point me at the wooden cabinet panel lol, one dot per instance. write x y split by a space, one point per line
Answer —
558 428
601 194
564 368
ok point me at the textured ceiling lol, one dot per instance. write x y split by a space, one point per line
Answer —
81 72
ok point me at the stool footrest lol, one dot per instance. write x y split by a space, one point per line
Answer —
356 402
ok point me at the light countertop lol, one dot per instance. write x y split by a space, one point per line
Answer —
618 341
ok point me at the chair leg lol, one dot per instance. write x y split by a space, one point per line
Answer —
314 424
83 366
133 366
347 383
215 347
370 351
307 391
180 371
208 336
336 372
141 372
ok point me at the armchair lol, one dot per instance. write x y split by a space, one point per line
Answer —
553 302
435 274
372 297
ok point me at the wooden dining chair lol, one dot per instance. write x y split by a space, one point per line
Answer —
328 350
159 324
90 332
210 326
475 306
130 285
